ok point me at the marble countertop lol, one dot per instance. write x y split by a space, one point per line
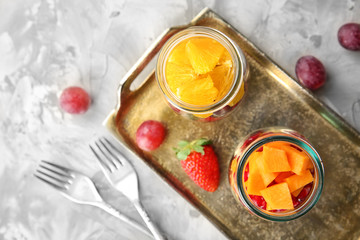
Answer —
47 45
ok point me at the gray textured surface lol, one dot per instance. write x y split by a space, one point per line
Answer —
48 45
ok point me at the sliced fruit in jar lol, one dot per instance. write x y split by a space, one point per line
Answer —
278 196
255 182
275 160
267 177
282 176
176 75
297 192
260 179
222 78
201 58
297 181
198 92
204 54
298 161
226 59
178 55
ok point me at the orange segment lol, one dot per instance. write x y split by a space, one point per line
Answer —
278 196
226 59
204 54
178 55
177 75
222 76
199 71
275 160
297 181
198 91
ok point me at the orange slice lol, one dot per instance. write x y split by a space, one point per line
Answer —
222 76
204 54
198 91
178 55
177 75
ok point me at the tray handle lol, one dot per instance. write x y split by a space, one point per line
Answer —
124 87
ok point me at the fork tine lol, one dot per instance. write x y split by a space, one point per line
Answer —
58 186
60 169
103 163
111 152
56 171
53 176
112 146
106 154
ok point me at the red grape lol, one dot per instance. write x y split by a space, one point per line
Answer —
349 36
310 72
150 135
74 100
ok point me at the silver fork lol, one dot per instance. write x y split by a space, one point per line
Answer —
122 176
80 189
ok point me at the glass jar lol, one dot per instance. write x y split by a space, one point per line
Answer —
229 101
254 142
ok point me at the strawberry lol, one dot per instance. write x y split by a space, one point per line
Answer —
200 163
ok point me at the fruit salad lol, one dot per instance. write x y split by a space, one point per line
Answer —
202 73
199 71
278 176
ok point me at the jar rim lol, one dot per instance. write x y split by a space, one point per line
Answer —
238 60
311 200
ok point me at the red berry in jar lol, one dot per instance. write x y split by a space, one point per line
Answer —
150 135
310 72
349 36
74 100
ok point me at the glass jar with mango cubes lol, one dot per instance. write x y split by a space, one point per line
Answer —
202 73
276 174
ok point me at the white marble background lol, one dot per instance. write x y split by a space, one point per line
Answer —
46 45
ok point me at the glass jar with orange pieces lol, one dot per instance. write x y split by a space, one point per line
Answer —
276 174
202 73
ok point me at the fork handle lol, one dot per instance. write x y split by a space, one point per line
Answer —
111 210
153 229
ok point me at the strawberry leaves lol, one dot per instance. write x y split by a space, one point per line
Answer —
185 147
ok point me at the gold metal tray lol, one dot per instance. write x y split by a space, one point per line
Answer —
273 98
